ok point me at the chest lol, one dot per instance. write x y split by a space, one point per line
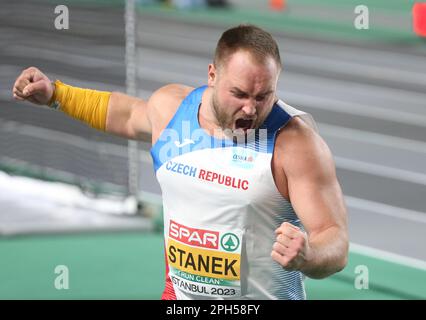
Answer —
232 175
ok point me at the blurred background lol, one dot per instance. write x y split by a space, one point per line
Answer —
71 196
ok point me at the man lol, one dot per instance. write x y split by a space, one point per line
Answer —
251 200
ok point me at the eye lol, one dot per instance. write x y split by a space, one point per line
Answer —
239 95
260 98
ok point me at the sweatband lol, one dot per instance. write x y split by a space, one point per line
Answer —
89 106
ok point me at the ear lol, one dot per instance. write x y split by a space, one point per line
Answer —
212 75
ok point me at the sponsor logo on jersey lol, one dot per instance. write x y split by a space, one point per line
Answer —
184 143
243 158
194 237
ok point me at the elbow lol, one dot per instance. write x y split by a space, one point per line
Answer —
323 273
342 263
344 257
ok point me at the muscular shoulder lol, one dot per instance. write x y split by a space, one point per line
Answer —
164 102
168 98
301 151
295 130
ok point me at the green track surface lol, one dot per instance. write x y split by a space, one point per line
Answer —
131 266
101 266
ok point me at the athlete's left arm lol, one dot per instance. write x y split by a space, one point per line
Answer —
316 196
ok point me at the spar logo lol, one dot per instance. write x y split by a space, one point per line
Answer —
229 242
194 237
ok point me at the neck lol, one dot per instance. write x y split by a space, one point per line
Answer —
207 117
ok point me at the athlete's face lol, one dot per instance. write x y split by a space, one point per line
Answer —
243 91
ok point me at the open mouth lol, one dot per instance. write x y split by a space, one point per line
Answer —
244 124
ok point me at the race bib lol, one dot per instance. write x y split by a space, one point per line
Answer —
204 262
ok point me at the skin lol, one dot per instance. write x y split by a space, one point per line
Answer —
238 92
243 87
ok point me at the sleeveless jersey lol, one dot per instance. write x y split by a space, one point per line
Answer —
221 208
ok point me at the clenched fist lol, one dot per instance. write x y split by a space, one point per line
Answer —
32 85
291 248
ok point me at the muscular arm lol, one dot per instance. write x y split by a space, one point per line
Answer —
138 119
317 198
116 113
128 117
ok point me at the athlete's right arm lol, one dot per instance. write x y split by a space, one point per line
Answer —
134 118
122 111
115 112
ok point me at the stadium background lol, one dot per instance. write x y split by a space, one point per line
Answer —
365 88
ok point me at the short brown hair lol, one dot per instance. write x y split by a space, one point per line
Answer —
248 37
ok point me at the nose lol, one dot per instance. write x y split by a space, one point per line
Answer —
249 107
